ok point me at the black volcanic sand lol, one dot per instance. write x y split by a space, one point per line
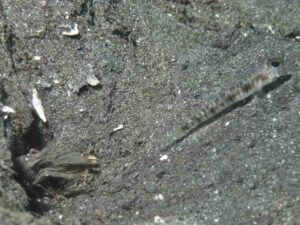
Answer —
156 61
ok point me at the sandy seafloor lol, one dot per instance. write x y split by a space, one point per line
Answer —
156 62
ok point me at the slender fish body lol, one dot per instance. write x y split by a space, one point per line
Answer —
249 87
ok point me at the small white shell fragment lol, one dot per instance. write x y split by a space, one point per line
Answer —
159 197
216 220
37 58
86 76
73 32
87 73
7 110
82 110
164 158
120 127
158 219
92 79
92 158
37 104
56 81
